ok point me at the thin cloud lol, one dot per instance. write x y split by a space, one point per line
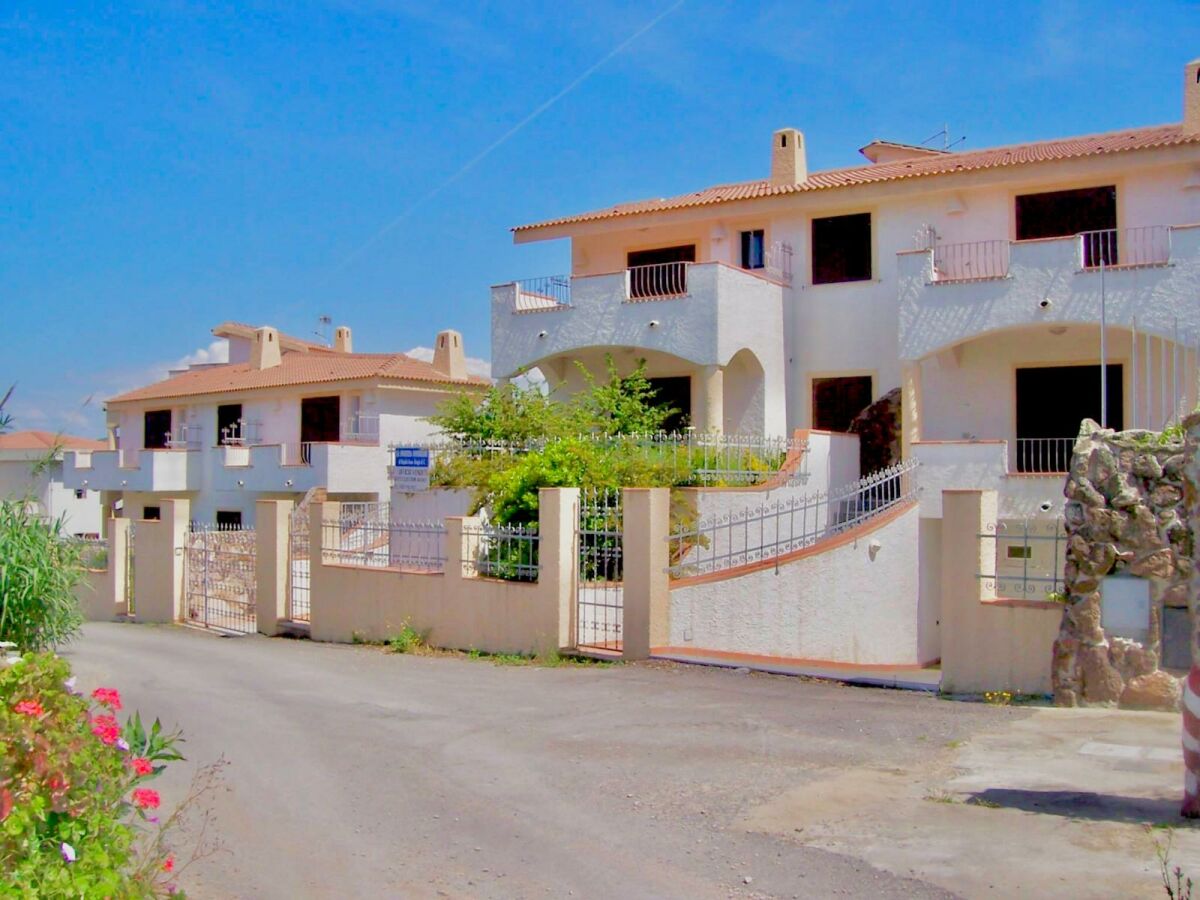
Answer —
475 365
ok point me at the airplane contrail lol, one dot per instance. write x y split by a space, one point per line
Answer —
505 138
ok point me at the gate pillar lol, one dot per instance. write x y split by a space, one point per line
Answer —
272 530
647 591
159 555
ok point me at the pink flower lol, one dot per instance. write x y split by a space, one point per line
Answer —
67 851
107 697
141 765
168 865
106 728
30 708
145 798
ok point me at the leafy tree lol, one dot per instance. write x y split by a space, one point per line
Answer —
623 404
506 413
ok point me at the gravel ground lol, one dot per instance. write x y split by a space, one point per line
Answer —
359 773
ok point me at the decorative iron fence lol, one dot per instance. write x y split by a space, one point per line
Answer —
548 292
299 566
510 552
221 579
1046 456
768 532
1148 245
1030 555
973 261
657 281
365 535
93 552
600 552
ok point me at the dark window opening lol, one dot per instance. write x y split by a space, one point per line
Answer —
80 493
229 519
151 513
1066 213
675 393
229 423
320 423
753 253
1051 403
660 272
157 430
841 249
836 401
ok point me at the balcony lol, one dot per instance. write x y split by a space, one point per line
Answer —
1018 472
170 470
294 468
1145 278
699 312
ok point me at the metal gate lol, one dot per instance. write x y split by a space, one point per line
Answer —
130 606
599 591
299 570
220 574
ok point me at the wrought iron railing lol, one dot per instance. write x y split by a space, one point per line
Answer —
185 437
241 433
1030 555
1148 245
542 294
1044 455
972 261
657 281
509 552
760 533
365 535
361 429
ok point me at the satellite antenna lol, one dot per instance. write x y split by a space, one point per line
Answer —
324 323
944 134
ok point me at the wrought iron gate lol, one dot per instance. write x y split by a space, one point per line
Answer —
299 570
220 574
599 591
130 606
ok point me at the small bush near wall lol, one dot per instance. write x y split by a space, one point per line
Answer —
77 815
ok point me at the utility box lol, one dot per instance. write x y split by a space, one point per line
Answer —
1125 607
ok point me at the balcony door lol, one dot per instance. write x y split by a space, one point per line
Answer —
320 419
156 429
1066 213
229 423
659 272
1051 402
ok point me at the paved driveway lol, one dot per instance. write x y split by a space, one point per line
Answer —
358 773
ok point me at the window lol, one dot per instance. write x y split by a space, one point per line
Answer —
675 393
80 493
841 249
157 429
1066 213
836 401
229 519
151 513
229 423
1051 403
753 256
320 420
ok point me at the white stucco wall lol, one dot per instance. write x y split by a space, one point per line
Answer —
80 515
838 605
983 466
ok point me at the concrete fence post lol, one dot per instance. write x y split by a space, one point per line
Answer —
558 511
272 531
647 591
159 551
458 553
318 594
118 560
965 558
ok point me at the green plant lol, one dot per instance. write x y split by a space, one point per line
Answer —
406 640
76 817
39 570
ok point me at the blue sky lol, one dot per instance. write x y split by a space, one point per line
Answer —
164 167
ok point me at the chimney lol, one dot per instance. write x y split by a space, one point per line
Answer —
1191 98
341 340
448 356
265 352
788 164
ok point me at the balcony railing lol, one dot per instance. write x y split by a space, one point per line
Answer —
361 429
298 454
657 281
973 261
185 437
1149 245
542 294
779 262
242 433
1044 456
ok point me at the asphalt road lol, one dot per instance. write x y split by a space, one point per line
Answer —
359 773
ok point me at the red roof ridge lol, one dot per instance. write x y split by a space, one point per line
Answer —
36 439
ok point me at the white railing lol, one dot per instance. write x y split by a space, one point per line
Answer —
297 454
361 429
779 262
760 533
185 437
242 433
973 261
657 281
365 535
1148 245
1044 455
542 294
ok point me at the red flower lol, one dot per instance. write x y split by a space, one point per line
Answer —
169 864
106 728
107 697
145 798
30 708
141 765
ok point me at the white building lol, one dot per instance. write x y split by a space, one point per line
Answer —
283 416
27 470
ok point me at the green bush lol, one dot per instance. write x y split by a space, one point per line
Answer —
39 570
75 814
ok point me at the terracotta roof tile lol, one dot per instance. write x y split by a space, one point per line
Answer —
916 167
295 368
44 440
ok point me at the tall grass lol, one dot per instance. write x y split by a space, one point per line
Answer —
39 570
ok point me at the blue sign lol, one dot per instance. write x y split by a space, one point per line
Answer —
412 458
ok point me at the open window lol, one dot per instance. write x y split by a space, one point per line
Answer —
156 434
661 272
320 423
229 519
675 393
229 423
836 401
1051 403
841 249
754 254
1091 211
